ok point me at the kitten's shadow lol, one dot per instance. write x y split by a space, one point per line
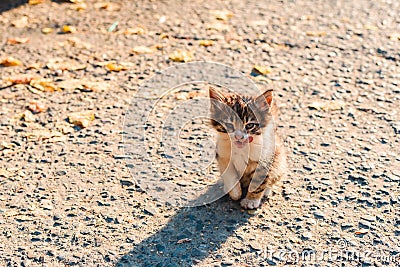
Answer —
189 236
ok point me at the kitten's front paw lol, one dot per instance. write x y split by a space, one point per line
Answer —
250 203
236 193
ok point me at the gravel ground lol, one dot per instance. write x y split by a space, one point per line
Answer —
67 197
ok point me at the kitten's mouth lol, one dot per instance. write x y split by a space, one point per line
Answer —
243 143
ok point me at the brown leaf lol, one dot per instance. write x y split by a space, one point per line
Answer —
21 79
17 40
206 42
316 33
258 69
47 30
35 2
10 62
37 107
183 240
68 29
21 22
115 67
142 50
181 56
135 30
361 232
81 119
222 14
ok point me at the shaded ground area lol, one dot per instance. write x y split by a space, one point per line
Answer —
67 196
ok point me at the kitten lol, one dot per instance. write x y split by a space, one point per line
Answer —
250 154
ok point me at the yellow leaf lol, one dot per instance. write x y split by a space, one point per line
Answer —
115 67
142 50
181 56
35 2
135 30
316 33
81 119
69 29
17 40
47 30
10 62
206 42
222 14
261 69
44 85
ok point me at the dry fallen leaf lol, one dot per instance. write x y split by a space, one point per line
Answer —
258 69
10 62
21 22
142 50
206 42
47 30
36 107
328 105
222 14
44 85
35 2
135 30
371 27
68 29
17 40
24 79
81 119
316 33
181 56
362 232
115 67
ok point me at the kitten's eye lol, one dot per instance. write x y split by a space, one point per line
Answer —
229 127
250 126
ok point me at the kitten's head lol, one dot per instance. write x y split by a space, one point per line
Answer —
242 117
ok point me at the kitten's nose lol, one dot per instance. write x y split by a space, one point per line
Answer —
239 135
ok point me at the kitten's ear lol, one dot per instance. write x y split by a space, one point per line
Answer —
216 94
264 101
